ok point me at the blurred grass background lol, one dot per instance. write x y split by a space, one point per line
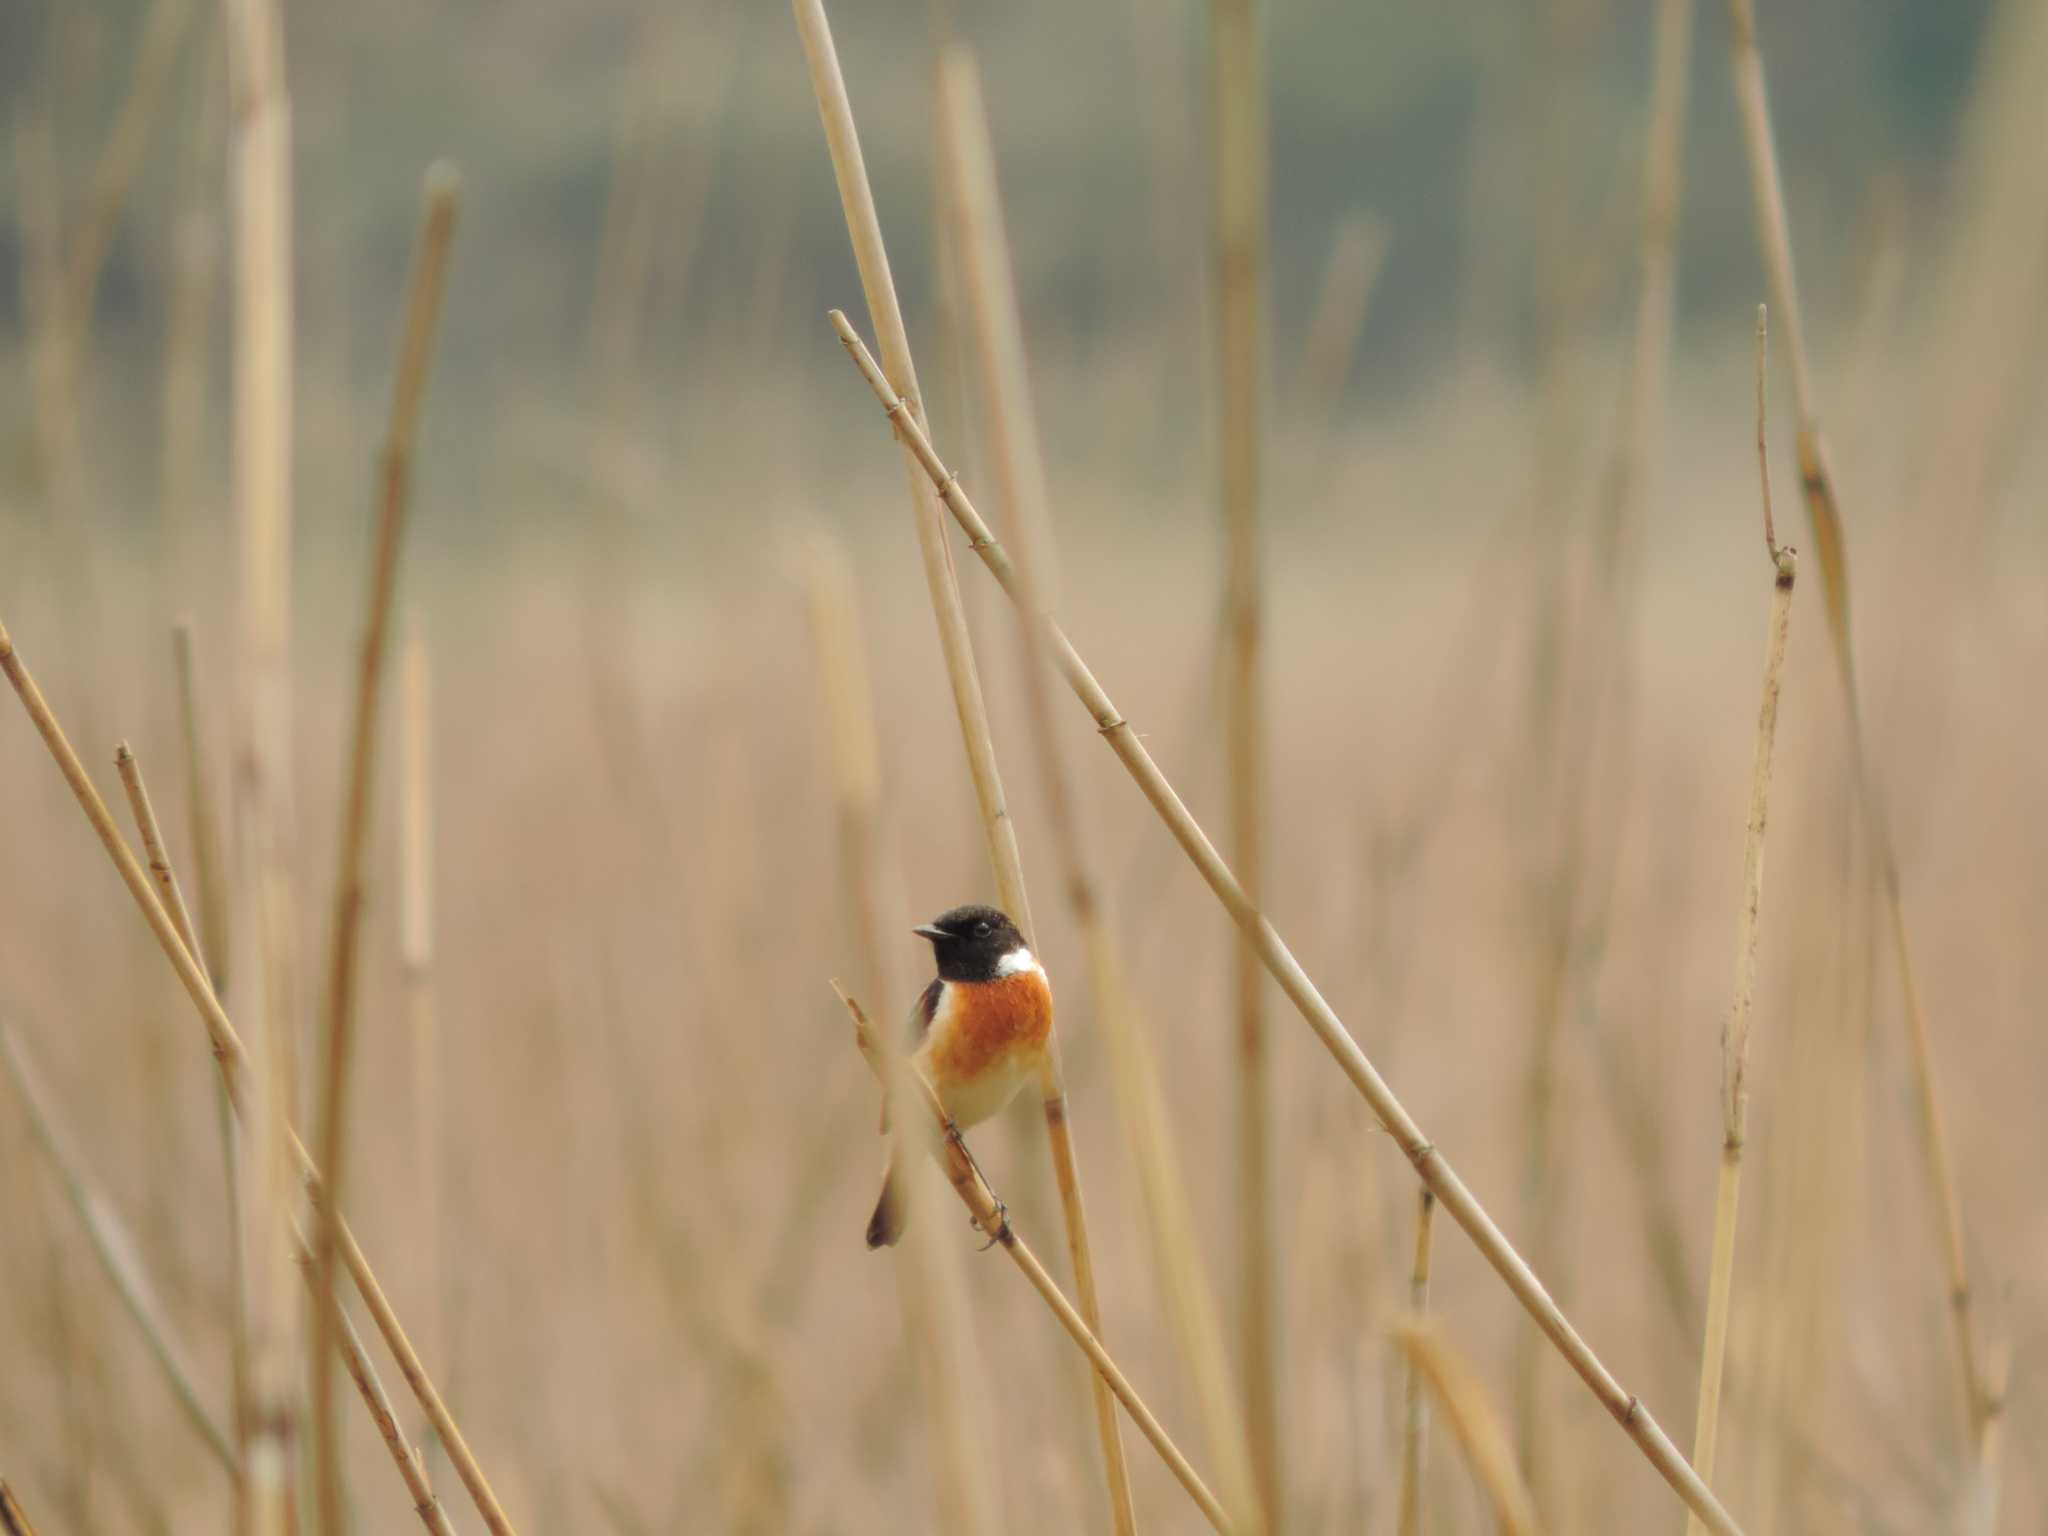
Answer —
650 1308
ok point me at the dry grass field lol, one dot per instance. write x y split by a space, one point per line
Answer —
608 1144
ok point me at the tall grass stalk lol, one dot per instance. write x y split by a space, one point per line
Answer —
1017 460
1011 434
1982 1404
242 1079
411 1467
207 939
416 963
119 1258
1474 1421
1238 112
988 1215
265 839
1430 1164
409 381
14 1519
865 230
946 1351
1735 1035
1414 1405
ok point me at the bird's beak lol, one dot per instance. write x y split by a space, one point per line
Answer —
927 931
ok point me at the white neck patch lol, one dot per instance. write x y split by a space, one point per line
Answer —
1018 960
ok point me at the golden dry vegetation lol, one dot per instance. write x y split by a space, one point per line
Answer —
608 1144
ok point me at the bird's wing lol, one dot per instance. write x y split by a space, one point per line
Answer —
916 1027
926 1010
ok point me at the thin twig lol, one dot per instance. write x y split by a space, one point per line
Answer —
235 1065
408 386
1982 1403
865 231
1430 1164
989 1215
1735 1035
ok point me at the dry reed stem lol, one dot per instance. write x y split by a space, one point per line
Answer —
235 1063
62 345
265 841
14 1520
408 387
349 1345
1177 1258
1238 110
146 827
1430 1164
1982 1404
118 1256
1018 461
209 945
1414 1406
416 962
1735 1034
944 1347
981 251
990 1217
1327 351
865 231
212 933
412 1467
1474 1421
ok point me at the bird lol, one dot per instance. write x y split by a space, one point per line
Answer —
979 1032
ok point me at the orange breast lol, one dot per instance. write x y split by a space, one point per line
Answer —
984 1024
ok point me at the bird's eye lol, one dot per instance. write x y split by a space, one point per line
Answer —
981 930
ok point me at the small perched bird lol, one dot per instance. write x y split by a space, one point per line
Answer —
979 1032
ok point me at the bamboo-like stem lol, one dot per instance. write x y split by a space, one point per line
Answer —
236 1068
981 251
117 1254
1474 1422
865 230
1238 112
989 1215
944 1351
1018 462
1735 1035
408 386
14 1520
1982 1403
1414 1405
416 962
265 838
1430 1165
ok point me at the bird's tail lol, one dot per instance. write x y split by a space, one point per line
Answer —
892 1210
